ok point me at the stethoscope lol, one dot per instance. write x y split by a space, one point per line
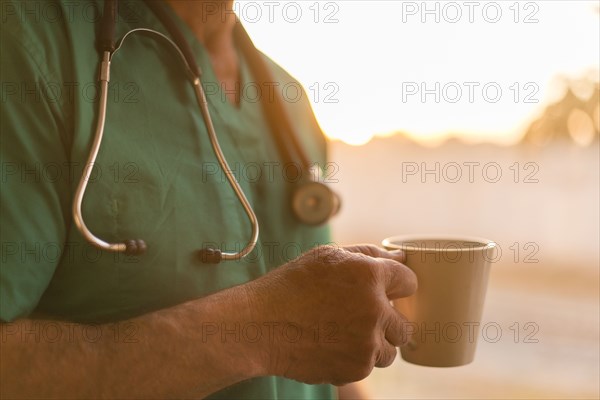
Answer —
313 202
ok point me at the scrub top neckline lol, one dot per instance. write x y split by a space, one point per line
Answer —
222 103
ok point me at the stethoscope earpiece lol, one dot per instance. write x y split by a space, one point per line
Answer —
135 247
210 256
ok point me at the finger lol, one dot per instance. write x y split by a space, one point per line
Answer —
398 330
386 356
378 252
397 279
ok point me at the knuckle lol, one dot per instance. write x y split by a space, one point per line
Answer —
365 271
414 282
329 254
353 375
367 352
408 330
363 362
361 372
387 357
369 320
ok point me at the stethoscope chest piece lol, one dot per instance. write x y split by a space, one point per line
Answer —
314 203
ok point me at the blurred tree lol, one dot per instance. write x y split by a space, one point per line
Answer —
575 117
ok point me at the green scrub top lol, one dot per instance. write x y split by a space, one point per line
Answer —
156 176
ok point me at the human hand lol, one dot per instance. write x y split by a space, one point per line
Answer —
337 300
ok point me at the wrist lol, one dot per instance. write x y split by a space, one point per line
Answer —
223 324
262 315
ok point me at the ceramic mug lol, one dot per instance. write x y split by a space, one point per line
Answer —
445 312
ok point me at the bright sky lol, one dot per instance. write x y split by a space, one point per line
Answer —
365 64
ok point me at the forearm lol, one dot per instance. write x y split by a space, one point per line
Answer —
168 353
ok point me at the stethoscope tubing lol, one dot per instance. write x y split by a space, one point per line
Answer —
87 171
138 246
203 104
313 202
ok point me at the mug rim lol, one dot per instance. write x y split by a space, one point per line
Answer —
402 242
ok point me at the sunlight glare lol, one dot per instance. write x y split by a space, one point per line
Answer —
358 69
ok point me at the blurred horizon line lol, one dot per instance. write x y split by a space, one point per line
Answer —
574 117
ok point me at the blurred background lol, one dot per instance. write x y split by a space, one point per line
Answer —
474 118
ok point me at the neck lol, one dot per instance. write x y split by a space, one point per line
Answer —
211 21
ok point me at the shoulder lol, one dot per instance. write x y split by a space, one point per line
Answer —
291 89
45 27
301 113
41 39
